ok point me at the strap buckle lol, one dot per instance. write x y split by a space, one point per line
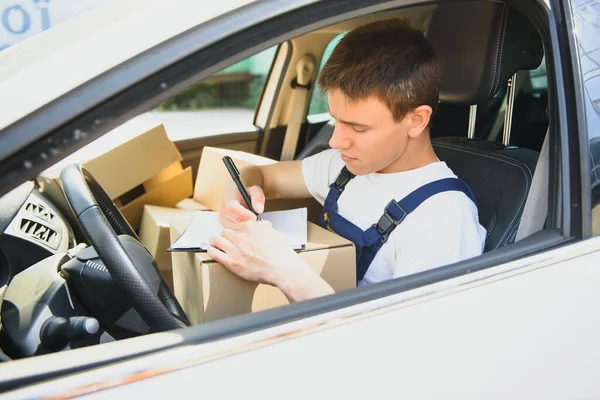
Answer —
343 178
294 84
393 216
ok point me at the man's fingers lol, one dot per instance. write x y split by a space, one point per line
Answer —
228 220
258 198
230 234
238 212
222 243
219 256
251 225
243 226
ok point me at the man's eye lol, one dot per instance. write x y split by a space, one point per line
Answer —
359 130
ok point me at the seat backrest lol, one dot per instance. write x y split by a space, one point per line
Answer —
500 180
319 142
482 45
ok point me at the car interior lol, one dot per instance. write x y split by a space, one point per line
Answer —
63 278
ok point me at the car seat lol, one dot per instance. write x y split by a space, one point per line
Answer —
482 45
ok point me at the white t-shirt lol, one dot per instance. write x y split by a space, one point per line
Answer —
444 229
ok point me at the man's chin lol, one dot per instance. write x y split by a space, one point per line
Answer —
355 166
355 169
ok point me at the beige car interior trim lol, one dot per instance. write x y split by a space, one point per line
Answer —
305 70
535 210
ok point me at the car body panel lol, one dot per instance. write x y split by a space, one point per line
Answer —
489 334
497 340
80 49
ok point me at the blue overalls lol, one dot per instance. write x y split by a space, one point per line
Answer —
369 242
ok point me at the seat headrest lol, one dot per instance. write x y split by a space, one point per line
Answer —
482 44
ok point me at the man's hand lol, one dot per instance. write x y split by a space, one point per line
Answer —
256 252
282 180
234 209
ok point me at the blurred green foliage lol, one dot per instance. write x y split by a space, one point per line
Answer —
239 85
217 95
318 103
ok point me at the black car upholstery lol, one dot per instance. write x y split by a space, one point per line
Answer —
482 45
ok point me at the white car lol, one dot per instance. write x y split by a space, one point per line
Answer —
519 321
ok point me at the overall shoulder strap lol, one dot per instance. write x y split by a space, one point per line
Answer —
414 199
396 211
342 180
335 190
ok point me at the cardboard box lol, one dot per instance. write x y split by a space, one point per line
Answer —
177 185
191 204
207 291
155 234
212 177
135 164
123 158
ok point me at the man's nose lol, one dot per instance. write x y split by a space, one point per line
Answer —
339 138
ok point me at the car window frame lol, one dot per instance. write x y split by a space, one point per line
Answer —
586 115
566 153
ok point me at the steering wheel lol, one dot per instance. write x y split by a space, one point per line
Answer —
102 222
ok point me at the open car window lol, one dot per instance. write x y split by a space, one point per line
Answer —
224 102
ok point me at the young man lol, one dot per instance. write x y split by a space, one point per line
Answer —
382 82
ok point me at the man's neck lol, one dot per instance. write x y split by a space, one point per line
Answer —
418 153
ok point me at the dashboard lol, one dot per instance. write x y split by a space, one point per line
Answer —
32 229
39 312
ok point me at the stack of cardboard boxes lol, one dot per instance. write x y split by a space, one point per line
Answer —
140 169
135 164
207 291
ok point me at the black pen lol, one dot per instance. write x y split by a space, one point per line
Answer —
235 175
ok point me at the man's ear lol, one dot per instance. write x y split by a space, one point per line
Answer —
419 119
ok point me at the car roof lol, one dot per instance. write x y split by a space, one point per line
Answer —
44 67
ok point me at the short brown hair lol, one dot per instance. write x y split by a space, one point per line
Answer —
388 59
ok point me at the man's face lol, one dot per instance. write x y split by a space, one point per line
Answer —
366 134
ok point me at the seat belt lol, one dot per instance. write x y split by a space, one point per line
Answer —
301 84
536 204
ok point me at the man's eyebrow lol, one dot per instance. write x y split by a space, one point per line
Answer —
357 124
